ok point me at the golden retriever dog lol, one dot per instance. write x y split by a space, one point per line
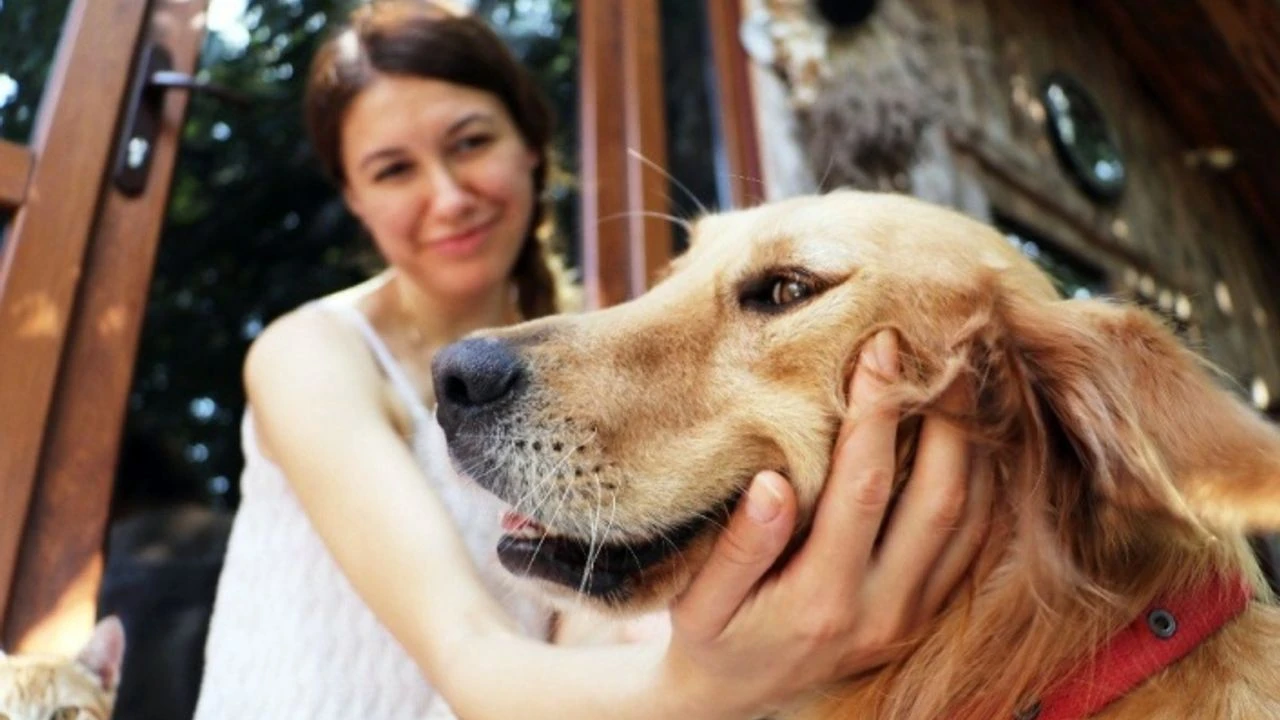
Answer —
1125 476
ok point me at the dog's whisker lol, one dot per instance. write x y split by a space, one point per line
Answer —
533 556
831 163
676 551
631 551
530 493
478 472
613 511
712 520
545 478
543 481
681 222
679 210
593 549
540 493
759 198
683 188
564 494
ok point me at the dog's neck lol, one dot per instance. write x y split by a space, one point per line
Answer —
1014 624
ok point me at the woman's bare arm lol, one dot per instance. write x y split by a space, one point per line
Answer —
315 397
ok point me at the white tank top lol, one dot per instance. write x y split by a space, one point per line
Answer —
289 636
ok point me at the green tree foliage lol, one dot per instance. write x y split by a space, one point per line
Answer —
29 32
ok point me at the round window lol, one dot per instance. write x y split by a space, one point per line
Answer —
1085 143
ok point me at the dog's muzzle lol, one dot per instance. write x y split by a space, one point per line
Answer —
481 385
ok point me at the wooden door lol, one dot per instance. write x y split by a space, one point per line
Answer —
74 269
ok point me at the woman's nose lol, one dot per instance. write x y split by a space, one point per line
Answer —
450 195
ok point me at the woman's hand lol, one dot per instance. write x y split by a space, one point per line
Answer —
845 603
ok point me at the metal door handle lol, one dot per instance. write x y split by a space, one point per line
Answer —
154 76
174 80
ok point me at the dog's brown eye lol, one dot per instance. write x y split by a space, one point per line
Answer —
789 290
778 291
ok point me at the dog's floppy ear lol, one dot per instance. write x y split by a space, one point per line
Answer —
1144 416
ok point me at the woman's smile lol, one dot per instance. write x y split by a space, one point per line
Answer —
465 243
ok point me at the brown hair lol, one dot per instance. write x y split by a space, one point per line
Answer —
421 38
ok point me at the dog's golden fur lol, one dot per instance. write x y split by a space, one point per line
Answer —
1123 471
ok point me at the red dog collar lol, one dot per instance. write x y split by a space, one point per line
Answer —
1162 635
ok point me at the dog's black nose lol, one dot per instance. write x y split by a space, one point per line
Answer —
474 374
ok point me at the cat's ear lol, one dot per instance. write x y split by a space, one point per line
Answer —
104 653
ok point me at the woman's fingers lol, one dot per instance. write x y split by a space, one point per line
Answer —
963 548
756 535
931 507
860 483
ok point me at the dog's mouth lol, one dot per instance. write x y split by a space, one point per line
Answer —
606 571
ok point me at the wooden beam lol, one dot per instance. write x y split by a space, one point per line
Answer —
624 149
41 268
60 565
605 252
1212 91
735 102
1250 31
15 172
649 236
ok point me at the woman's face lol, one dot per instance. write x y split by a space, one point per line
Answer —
442 179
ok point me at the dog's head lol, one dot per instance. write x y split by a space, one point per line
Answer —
622 438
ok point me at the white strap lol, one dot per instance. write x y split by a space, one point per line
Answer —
409 393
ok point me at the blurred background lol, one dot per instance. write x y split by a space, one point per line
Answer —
1125 145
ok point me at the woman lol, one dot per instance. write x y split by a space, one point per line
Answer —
357 566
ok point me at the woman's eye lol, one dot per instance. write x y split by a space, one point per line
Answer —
472 142
390 171
787 291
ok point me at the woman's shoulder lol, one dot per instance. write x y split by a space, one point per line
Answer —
313 332
310 345
304 335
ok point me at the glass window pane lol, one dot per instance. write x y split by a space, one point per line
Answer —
29 32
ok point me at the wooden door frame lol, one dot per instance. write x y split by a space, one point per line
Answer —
44 252
15 174
85 251
623 142
735 101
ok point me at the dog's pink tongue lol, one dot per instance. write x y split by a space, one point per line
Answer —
513 522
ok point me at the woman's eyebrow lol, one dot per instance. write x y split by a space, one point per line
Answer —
476 116
378 155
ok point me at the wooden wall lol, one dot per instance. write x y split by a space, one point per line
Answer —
1176 232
